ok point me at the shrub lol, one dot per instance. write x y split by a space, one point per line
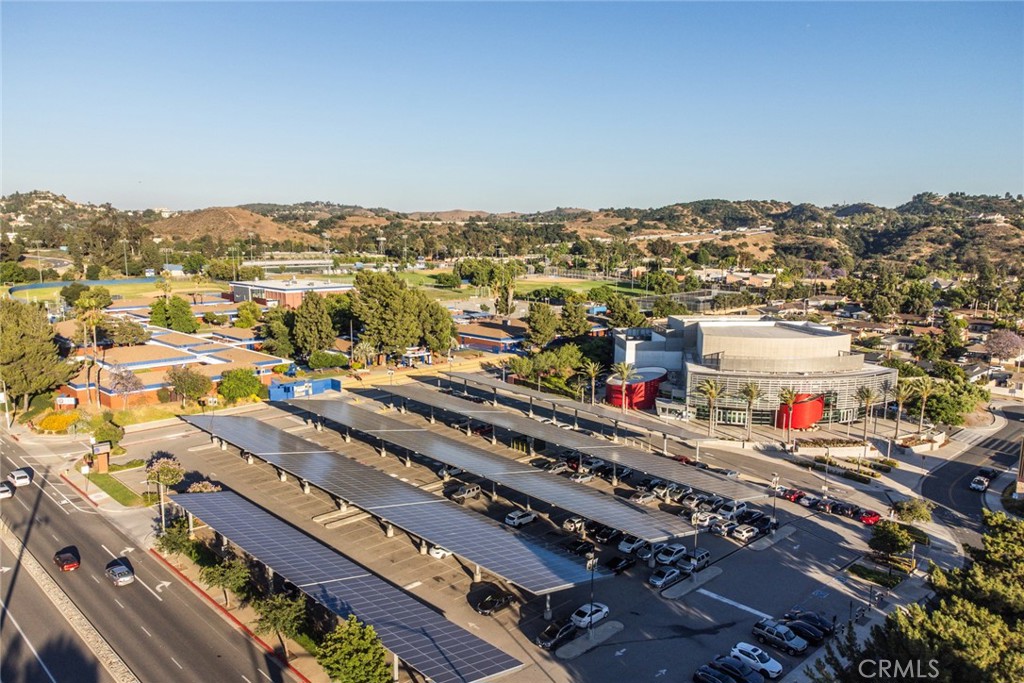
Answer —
105 430
876 576
281 369
58 422
163 394
325 359
862 478
880 467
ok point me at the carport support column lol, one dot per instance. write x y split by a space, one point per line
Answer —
494 400
528 508
494 492
402 408
319 425
432 420
664 444
531 407
191 528
423 547
615 474
575 418
529 440
615 431
477 576
342 505
394 671
281 475
547 607
494 435
389 530
249 459
305 487
348 436
408 459
223 445
383 449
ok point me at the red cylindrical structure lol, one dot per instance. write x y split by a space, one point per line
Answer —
808 409
640 392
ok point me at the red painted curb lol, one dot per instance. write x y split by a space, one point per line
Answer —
229 615
80 491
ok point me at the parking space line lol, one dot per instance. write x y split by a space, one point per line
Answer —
737 605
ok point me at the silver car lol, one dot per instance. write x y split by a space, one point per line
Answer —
120 575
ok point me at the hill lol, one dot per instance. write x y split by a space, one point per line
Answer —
228 223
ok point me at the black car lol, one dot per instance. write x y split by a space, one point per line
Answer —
988 473
603 471
648 483
736 670
706 674
824 505
763 524
749 516
851 511
495 601
620 564
592 527
607 535
819 621
577 547
806 631
556 633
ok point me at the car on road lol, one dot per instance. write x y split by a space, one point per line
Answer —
643 497
979 483
577 547
988 473
582 477
745 532
663 577
671 554
868 517
556 633
120 575
647 551
620 563
495 601
518 518
757 659
607 535
19 478
556 467
736 669
816 619
793 495
589 614
709 674
780 636
806 631
6 490
629 543
440 553
66 561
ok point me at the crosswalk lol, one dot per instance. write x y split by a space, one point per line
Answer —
986 441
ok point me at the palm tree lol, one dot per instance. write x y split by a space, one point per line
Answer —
751 393
867 397
591 369
624 372
198 280
787 397
904 392
924 388
363 352
711 390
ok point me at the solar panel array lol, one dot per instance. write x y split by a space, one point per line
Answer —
504 552
425 640
646 523
640 460
632 419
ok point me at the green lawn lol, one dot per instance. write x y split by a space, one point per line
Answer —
127 291
115 489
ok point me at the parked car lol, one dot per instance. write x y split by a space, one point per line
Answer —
697 559
66 561
670 554
736 669
518 518
495 601
712 504
780 636
620 563
723 527
120 575
732 509
725 472
574 524
19 478
748 516
556 633
793 495
465 492
629 543
676 492
663 577
6 490
843 509
660 489
708 674
979 484
693 501
578 547
582 477
643 497
824 505
868 517
703 519
745 532
647 551
440 553
588 614
648 483
607 535
557 466
809 501
757 659
816 619
806 631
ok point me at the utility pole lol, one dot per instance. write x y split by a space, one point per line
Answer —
124 243
39 260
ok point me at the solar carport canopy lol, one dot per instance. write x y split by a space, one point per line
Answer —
643 461
630 419
416 634
649 524
511 555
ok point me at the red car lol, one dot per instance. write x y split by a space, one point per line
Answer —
869 517
66 562
793 495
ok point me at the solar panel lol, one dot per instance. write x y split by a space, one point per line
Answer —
640 460
649 524
425 640
512 555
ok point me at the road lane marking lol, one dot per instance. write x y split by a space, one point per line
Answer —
42 664
118 603
143 628
55 538
176 663
737 605
265 675
137 579
245 679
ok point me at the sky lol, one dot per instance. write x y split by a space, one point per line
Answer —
521 106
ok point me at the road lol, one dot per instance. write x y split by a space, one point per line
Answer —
159 627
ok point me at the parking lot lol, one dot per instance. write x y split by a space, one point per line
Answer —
661 637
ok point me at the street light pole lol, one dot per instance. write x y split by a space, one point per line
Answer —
591 565
775 498
124 243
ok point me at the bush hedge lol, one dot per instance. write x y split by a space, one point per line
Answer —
882 578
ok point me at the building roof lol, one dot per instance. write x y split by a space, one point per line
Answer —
236 333
765 330
295 285
179 339
235 354
142 353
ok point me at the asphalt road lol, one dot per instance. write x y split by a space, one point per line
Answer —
157 625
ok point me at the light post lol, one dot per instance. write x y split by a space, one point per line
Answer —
124 244
775 498
828 459
39 259
391 376
591 565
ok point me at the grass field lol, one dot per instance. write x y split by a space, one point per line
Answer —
126 291
115 489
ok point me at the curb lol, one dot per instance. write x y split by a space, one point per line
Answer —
229 616
82 493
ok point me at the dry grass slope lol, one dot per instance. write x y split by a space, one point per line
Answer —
228 223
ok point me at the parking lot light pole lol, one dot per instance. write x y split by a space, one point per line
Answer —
591 565
775 499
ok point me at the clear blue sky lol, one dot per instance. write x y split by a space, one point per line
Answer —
518 106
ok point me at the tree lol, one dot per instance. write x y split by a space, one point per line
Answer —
158 313
352 653
165 470
751 392
248 315
663 307
521 367
1004 345
125 382
711 390
30 363
867 397
129 333
623 312
928 347
180 317
574 321
624 373
277 333
387 311
889 538
237 384
175 539
904 392
90 311
591 369
364 352
914 510
787 397
543 324
319 360
203 486
924 388
503 287
313 330
280 615
231 575
438 328
70 293
188 384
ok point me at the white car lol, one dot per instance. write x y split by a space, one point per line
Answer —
703 520
588 614
518 518
671 554
582 477
979 484
446 472
629 544
642 498
723 527
757 659
744 533
440 553
663 577
574 524
6 491
732 509
19 478
120 575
